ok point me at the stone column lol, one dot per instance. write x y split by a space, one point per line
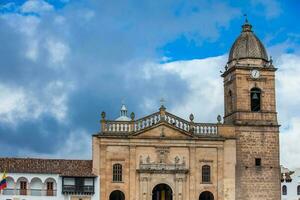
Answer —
144 187
179 186
132 172
192 180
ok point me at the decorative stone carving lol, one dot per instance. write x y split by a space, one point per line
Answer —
177 159
162 153
163 165
148 160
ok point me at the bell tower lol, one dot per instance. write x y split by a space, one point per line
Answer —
250 105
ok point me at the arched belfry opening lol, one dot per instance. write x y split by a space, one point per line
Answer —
255 98
162 192
206 196
229 102
116 195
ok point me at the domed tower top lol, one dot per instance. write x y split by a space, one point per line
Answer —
123 114
247 47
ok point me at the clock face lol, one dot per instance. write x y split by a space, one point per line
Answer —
255 73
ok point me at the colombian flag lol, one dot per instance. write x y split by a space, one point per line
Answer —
3 183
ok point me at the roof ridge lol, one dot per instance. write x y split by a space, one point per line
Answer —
33 158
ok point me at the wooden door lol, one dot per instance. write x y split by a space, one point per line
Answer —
49 188
23 188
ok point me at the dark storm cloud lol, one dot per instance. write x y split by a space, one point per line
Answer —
107 44
39 135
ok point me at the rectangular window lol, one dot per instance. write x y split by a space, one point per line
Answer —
206 174
88 181
69 181
117 172
258 162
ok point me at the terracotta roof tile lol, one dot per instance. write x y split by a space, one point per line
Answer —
80 168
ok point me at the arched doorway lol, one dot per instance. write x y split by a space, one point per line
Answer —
117 195
162 192
206 196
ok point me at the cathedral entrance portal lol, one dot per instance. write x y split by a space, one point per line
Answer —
162 192
206 196
117 195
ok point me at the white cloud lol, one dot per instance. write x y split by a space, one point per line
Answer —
288 101
57 52
57 49
289 143
18 104
28 27
36 6
205 87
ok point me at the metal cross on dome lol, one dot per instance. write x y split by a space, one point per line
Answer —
246 18
162 101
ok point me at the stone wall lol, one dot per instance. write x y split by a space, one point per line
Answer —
255 182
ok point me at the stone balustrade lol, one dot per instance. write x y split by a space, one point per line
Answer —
121 127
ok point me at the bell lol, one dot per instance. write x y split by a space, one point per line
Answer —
254 97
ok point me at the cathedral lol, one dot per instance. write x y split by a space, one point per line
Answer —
164 157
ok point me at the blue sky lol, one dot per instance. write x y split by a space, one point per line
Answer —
63 62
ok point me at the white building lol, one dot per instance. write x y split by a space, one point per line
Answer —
290 184
48 179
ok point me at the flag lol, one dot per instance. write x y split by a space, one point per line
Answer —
3 183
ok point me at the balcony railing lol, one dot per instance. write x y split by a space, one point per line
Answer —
29 192
74 189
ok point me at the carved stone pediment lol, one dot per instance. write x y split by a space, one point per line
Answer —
163 131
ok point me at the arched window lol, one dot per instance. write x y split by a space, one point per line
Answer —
205 174
117 172
255 96
9 190
298 190
230 101
22 185
284 190
36 186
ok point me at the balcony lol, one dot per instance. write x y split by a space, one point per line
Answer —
75 189
30 192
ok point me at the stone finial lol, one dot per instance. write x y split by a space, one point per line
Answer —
247 27
132 116
219 118
162 107
191 117
103 115
271 62
226 67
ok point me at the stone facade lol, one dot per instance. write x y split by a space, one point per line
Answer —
163 150
176 159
